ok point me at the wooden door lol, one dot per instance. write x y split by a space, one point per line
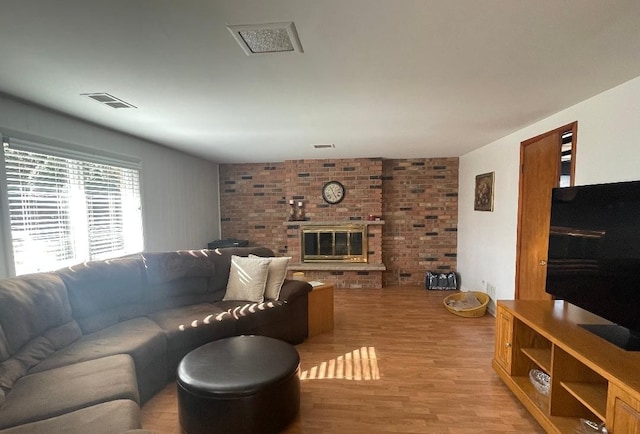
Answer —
540 161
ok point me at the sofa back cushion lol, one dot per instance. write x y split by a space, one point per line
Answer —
103 293
222 259
30 305
35 321
178 278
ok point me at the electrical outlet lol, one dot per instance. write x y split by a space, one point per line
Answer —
491 291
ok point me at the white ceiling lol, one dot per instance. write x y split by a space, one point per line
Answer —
378 78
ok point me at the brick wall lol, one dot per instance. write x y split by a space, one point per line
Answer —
361 177
253 204
420 208
417 199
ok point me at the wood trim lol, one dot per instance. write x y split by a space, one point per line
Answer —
574 149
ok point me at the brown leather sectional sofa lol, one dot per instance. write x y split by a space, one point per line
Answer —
83 347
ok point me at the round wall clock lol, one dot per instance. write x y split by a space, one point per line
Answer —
333 192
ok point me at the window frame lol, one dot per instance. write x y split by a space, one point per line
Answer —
61 150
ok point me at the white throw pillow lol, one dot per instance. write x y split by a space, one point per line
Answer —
247 279
277 274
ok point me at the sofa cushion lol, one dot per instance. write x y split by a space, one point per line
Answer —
183 292
247 279
170 266
4 345
58 391
251 317
275 277
36 351
188 327
179 278
141 338
107 418
29 306
103 293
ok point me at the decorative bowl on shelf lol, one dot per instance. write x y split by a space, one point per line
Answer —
540 380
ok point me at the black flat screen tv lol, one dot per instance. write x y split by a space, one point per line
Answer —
594 256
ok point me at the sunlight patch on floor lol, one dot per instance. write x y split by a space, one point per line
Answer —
358 365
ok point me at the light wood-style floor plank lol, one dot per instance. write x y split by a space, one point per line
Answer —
396 362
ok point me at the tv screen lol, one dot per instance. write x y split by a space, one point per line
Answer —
594 254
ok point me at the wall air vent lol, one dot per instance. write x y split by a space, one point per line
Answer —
110 100
266 38
324 146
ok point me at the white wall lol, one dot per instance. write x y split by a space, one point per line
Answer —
608 150
180 192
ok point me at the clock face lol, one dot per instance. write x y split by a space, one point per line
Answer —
333 192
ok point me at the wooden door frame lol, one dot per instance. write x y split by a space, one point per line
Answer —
573 126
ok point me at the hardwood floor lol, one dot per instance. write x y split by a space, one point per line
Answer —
396 362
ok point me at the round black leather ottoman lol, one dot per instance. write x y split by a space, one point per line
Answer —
243 384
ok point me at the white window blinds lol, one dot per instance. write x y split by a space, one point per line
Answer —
65 210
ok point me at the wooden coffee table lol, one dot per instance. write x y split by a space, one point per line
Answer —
321 309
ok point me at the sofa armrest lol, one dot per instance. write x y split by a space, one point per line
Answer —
293 289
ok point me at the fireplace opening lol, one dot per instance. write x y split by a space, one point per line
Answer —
343 243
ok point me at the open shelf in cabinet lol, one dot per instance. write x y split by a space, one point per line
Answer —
591 395
579 387
589 377
538 399
538 406
540 356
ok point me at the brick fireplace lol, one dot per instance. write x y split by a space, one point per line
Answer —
416 198
349 274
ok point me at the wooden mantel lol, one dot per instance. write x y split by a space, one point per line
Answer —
337 266
333 222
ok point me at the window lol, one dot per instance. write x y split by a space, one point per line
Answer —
67 207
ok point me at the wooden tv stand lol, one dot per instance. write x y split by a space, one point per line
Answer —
590 378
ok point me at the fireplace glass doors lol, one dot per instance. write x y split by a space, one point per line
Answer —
343 243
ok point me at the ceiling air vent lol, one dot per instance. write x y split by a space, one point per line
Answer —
110 100
266 38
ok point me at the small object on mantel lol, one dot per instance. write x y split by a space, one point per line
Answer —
300 211
298 275
292 211
296 211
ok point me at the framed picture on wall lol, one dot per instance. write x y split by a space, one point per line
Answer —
483 200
